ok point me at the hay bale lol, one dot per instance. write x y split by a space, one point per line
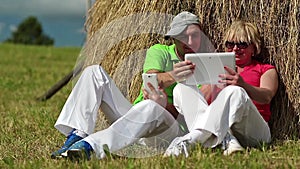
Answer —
277 20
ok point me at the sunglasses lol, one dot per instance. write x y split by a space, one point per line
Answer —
240 45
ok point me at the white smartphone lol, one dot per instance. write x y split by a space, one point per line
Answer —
150 78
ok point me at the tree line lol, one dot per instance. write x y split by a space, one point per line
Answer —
30 32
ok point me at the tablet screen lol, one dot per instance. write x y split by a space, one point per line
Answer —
209 66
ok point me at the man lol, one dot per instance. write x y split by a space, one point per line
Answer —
147 118
186 33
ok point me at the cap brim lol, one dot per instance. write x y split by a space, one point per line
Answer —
175 31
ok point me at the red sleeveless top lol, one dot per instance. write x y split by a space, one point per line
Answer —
252 74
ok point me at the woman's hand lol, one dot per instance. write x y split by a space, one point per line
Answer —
160 97
232 78
182 70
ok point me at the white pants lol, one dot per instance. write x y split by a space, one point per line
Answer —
96 89
232 111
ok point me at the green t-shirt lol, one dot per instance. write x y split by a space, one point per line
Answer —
162 58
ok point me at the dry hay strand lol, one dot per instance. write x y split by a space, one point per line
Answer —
278 22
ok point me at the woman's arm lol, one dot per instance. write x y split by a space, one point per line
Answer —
262 94
210 92
206 90
267 89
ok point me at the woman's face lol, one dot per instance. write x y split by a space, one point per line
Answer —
188 41
243 52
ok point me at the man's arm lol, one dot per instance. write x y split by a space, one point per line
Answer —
181 71
171 108
164 79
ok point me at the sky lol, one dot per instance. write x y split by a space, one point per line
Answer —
62 20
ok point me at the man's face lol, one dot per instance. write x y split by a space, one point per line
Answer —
188 41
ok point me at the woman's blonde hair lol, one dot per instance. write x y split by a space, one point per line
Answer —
241 31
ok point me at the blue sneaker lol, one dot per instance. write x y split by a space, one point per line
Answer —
71 139
79 150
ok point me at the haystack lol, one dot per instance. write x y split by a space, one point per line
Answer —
121 31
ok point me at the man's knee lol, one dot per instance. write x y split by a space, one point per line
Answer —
149 109
90 69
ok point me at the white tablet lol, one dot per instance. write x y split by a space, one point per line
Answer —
209 66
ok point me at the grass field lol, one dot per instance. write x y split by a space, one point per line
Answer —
28 137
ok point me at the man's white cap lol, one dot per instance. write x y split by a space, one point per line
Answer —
180 22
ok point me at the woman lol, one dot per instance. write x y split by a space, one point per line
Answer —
238 114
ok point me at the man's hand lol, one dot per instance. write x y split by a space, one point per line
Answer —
160 97
182 70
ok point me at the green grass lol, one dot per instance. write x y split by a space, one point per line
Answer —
27 135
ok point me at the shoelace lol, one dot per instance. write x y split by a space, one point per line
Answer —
182 146
179 147
185 151
225 141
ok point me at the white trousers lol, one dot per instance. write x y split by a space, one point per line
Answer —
232 111
96 89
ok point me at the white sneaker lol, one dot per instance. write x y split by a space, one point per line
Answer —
231 145
178 146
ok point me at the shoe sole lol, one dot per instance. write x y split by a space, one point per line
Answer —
76 155
232 151
56 156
